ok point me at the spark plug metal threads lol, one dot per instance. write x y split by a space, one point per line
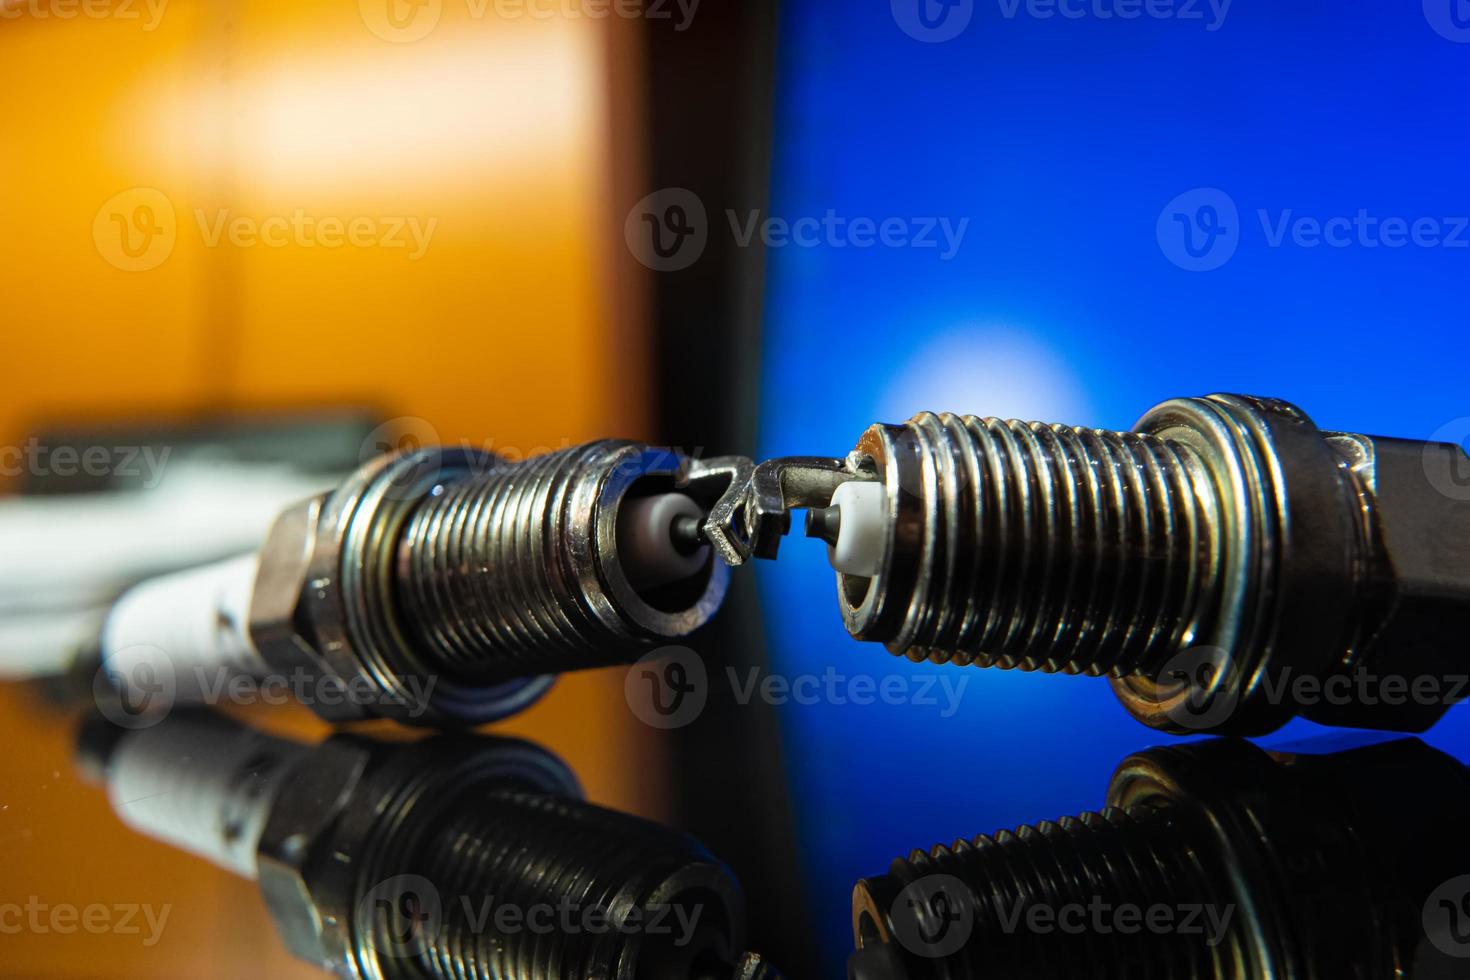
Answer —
1215 860
516 571
463 857
529 851
444 586
967 896
1222 549
1205 563
1042 547
485 574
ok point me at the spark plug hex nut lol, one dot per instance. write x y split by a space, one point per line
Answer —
1419 587
294 854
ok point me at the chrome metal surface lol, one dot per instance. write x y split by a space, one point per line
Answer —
753 515
471 858
453 584
1233 864
515 571
1227 525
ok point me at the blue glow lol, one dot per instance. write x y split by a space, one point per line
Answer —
1063 141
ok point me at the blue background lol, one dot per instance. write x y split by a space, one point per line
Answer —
1063 141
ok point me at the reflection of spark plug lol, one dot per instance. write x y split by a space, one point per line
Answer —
1226 533
463 857
442 586
1213 861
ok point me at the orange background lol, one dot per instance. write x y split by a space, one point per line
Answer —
520 327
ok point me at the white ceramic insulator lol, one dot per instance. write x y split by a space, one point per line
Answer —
863 528
188 631
645 540
200 786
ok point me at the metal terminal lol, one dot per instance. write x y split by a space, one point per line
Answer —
1292 864
824 523
753 515
394 860
687 535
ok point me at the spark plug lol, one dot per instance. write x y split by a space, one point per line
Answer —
441 587
458 856
1207 563
1214 860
